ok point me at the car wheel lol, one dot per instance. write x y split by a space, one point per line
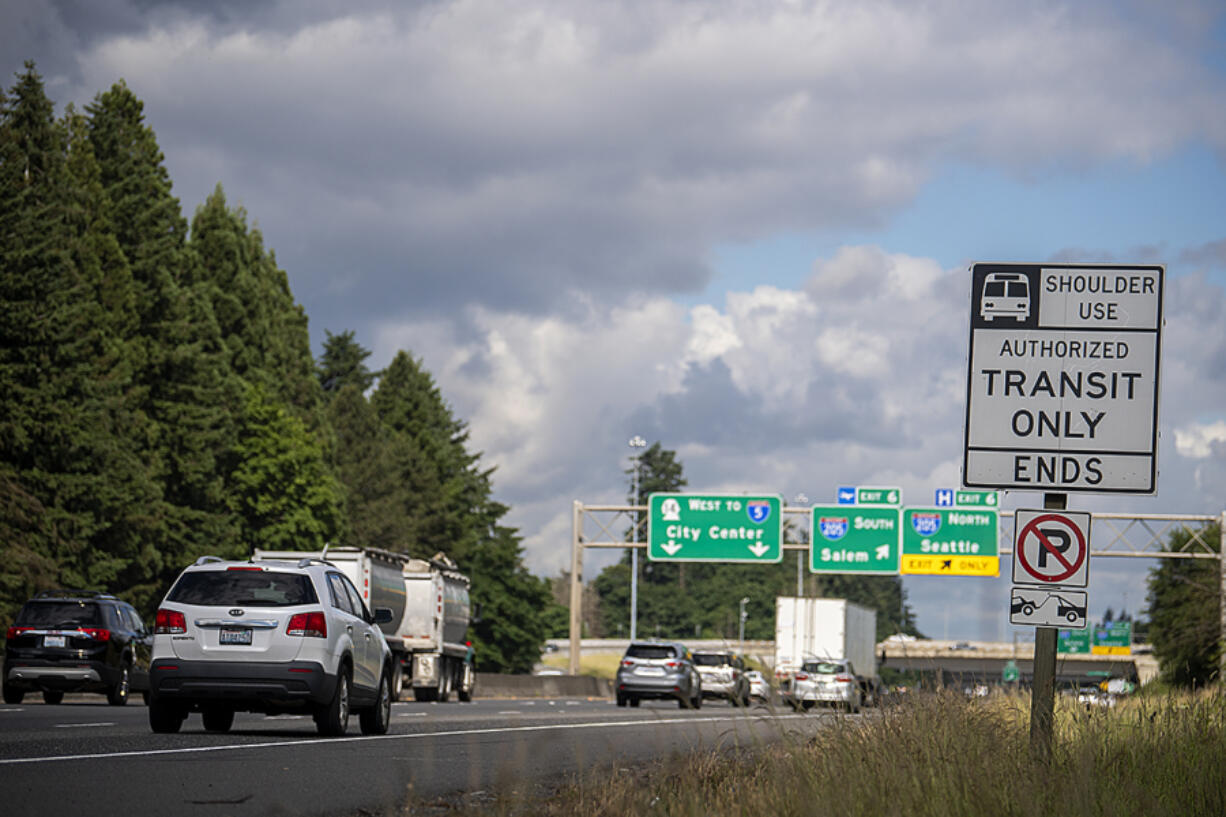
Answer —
118 694
165 718
333 719
52 696
145 697
634 703
621 699
13 695
374 721
698 701
1027 609
217 718
806 705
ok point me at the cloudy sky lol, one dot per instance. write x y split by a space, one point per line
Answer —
741 229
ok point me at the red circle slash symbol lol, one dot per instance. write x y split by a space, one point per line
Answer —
1049 549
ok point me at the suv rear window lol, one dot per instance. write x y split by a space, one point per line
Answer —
225 588
650 651
60 614
712 659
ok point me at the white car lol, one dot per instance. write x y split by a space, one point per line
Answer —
758 686
824 681
268 637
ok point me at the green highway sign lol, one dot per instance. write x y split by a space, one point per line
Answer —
1074 641
950 542
714 528
852 539
878 496
977 499
1011 672
1112 639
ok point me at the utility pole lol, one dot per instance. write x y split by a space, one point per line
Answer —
636 443
741 631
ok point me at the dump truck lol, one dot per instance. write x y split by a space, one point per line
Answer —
431 611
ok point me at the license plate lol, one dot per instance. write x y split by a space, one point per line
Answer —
53 641
235 635
650 670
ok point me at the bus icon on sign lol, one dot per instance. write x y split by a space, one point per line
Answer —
1005 295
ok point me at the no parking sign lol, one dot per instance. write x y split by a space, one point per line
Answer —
1051 548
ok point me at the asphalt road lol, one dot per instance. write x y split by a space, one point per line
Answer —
85 757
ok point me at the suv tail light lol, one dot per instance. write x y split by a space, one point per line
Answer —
843 679
671 664
13 632
169 621
308 624
627 663
97 634
802 676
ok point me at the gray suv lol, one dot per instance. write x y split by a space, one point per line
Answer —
658 669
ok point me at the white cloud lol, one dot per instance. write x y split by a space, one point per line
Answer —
1198 441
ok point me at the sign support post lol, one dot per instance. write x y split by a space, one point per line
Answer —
1043 691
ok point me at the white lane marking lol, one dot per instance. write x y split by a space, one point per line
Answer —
284 717
574 703
412 714
80 725
415 736
510 712
17 709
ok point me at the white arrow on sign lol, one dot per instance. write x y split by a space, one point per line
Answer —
670 547
759 549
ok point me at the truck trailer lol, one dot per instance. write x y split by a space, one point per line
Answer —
429 599
832 629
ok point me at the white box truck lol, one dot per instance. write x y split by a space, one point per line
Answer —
831 629
430 614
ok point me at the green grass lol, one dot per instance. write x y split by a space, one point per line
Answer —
939 755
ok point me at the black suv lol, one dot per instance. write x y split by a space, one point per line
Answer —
76 641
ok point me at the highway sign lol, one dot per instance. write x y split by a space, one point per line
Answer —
861 540
878 496
1112 639
1062 377
714 528
1051 548
949 498
846 495
1074 641
1048 607
1010 673
950 542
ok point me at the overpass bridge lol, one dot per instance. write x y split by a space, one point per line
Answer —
955 662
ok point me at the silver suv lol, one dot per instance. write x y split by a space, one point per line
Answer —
269 637
658 669
723 676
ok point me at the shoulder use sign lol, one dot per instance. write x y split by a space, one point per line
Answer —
1062 379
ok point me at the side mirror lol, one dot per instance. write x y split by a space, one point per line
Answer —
383 615
475 617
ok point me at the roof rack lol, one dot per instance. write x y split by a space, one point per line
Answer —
68 594
203 560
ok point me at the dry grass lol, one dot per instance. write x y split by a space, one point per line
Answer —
937 755
599 665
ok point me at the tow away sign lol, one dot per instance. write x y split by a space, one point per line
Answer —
1062 379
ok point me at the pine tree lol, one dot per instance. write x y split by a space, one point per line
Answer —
1185 613
68 421
184 379
343 363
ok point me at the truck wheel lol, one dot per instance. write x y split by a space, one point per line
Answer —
465 692
397 679
444 682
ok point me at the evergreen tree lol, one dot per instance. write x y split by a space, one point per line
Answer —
367 455
184 380
67 420
1185 612
343 364
284 493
